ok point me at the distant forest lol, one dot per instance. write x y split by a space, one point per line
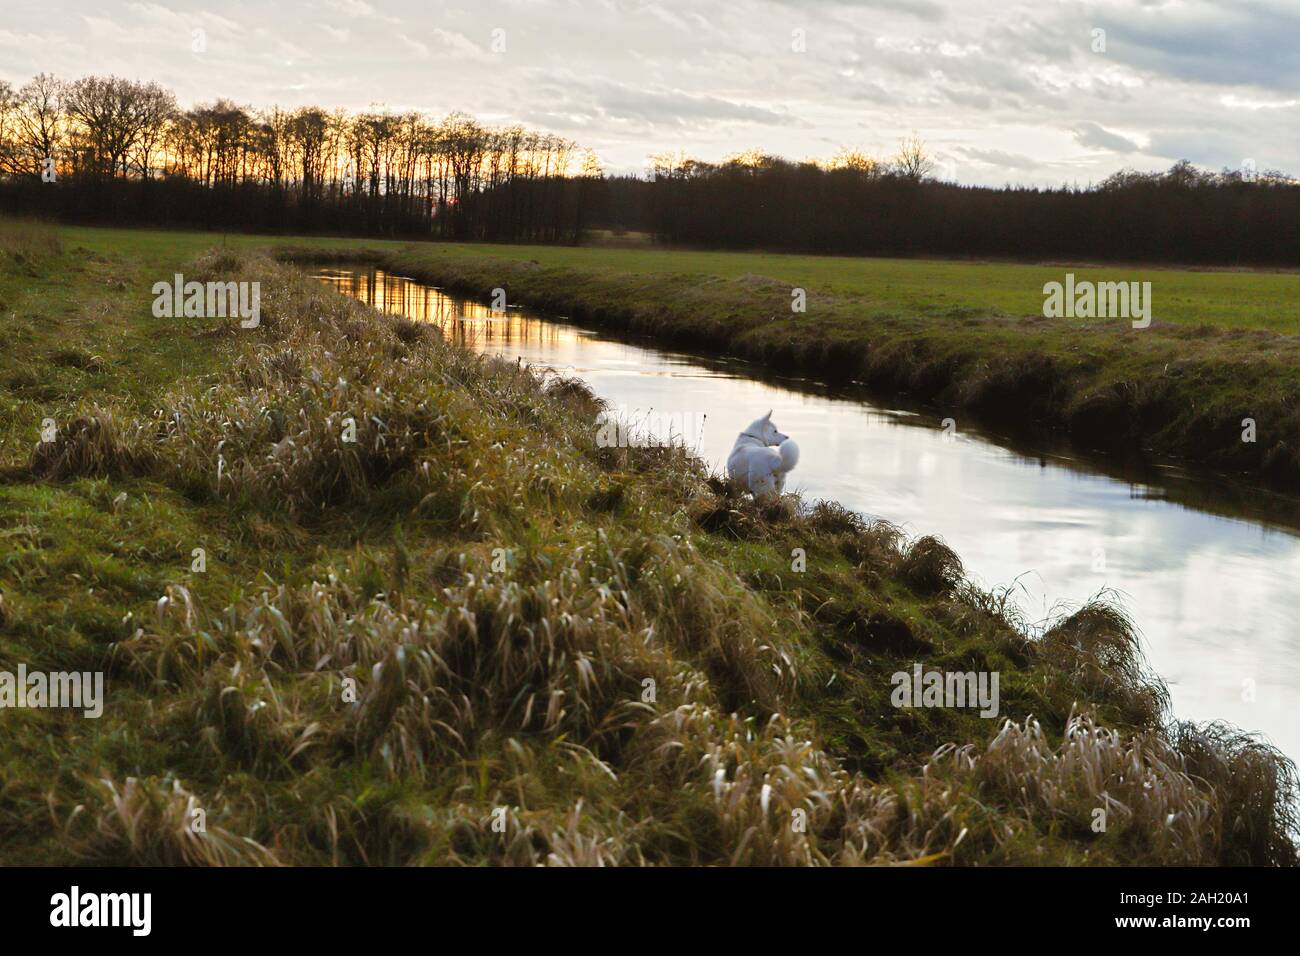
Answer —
109 150
123 152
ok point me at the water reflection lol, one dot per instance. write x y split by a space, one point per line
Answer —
1214 594
464 322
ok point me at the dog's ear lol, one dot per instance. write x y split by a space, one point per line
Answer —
768 416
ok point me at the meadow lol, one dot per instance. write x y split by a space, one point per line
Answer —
1232 299
1237 299
473 636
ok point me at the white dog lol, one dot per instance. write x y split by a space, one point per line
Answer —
761 458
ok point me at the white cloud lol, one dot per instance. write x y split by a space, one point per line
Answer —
415 46
353 8
458 44
1090 134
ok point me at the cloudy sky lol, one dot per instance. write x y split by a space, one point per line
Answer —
1021 91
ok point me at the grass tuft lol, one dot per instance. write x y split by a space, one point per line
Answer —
151 822
100 442
931 567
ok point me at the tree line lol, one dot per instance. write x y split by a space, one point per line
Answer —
859 206
108 149
111 149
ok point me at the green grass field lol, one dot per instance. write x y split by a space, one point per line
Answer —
396 641
1230 299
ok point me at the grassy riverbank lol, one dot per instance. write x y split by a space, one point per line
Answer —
472 615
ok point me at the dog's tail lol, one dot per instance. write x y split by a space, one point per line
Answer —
789 452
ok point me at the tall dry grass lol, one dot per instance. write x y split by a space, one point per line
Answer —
519 697
156 823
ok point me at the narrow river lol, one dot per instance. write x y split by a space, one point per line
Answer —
1215 595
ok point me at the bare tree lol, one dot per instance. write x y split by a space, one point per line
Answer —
38 123
155 111
912 162
112 120
8 109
